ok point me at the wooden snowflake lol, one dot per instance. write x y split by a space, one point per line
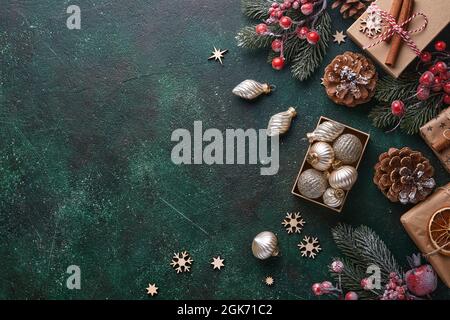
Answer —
293 222
181 262
371 25
309 247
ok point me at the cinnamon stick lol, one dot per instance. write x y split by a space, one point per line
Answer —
396 6
396 44
443 143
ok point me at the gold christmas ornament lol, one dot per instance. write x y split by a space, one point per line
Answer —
265 245
281 122
347 148
334 197
320 156
251 89
343 178
327 131
312 184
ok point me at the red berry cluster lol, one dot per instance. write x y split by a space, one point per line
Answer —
435 80
278 15
326 287
395 289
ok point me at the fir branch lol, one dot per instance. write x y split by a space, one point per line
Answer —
248 38
309 57
419 114
390 89
362 247
382 117
256 9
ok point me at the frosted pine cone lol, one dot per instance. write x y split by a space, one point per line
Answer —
351 8
350 79
404 175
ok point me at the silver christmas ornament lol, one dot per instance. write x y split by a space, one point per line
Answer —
320 156
265 245
326 131
251 89
334 197
312 184
343 178
347 148
281 122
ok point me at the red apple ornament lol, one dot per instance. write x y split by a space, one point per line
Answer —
421 280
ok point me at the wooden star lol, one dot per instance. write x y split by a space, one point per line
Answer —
152 289
217 54
217 263
269 280
339 37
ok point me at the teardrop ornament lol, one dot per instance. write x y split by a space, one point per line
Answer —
320 156
251 89
281 122
327 131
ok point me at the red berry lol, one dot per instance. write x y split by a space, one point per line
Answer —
426 78
326 287
365 284
317 289
433 70
295 5
422 93
285 22
279 14
304 1
446 99
276 45
397 109
275 5
351 295
278 63
312 37
261 28
440 45
425 56
302 32
441 66
337 266
307 8
283 7
447 87
287 4
437 84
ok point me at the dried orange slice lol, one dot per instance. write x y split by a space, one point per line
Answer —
439 230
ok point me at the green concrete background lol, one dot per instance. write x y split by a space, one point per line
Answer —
85 171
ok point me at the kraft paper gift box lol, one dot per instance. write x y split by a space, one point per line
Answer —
438 14
436 129
416 222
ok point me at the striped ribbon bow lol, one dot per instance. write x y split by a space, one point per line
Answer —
394 28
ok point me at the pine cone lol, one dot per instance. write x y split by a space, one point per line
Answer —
351 8
404 175
350 79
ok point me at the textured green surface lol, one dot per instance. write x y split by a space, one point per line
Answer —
85 171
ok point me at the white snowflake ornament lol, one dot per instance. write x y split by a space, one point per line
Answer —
309 247
293 222
182 262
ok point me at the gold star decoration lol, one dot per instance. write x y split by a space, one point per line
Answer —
217 263
269 281
217 54
339 37
152 289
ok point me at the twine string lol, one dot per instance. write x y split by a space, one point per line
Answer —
394 28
